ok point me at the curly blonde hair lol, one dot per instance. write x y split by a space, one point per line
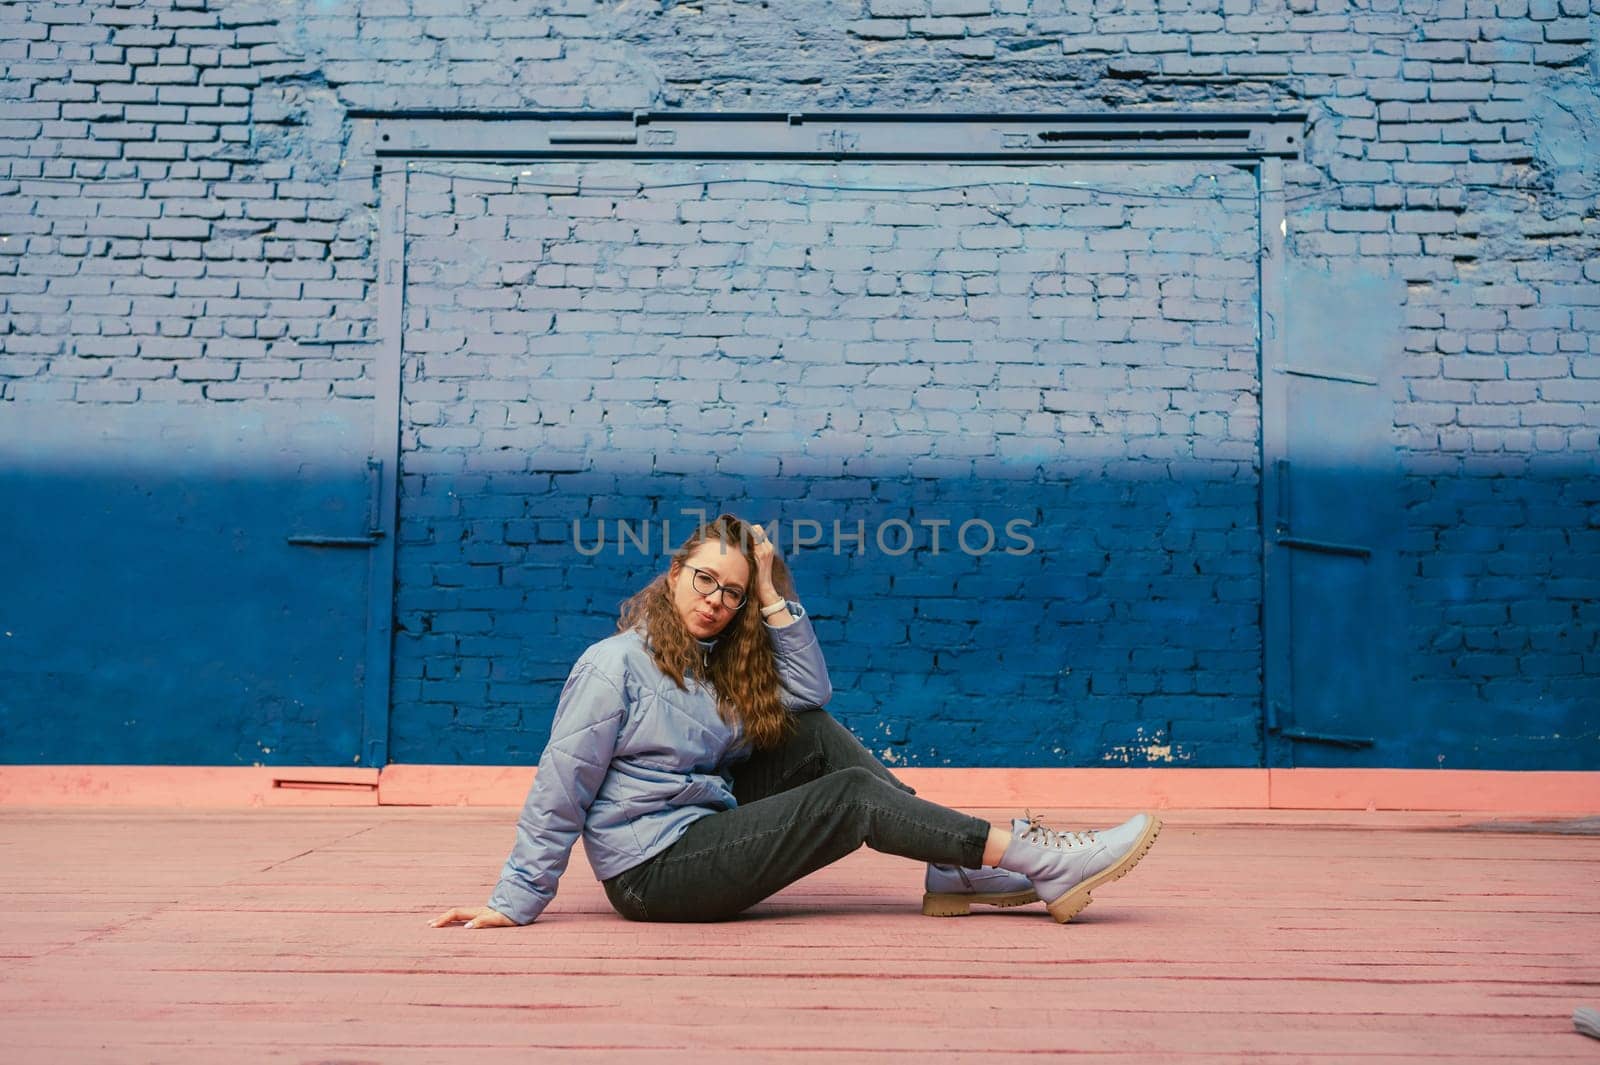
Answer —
741 668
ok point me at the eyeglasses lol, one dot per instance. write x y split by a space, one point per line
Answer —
705 582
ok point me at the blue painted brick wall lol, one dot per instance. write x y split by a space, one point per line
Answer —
182 225
822 350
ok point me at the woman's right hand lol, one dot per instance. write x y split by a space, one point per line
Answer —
483 917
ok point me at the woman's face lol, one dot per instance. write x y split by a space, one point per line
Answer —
705 615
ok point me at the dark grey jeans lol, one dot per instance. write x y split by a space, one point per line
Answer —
802 805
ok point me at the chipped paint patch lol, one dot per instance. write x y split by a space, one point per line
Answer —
1145 750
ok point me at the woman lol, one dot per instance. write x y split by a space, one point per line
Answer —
691 751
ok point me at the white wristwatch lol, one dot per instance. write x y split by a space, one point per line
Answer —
768 611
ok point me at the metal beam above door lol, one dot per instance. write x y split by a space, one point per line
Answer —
820 135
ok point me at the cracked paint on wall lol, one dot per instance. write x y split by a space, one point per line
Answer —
1146 750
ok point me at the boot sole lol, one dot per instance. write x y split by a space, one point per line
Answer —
1072 903
943 905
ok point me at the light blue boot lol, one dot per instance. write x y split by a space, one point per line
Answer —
1065 866
951 890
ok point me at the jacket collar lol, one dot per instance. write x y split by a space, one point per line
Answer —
706 646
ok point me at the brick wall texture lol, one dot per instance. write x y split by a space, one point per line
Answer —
186 218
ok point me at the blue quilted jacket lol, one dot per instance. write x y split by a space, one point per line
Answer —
633 761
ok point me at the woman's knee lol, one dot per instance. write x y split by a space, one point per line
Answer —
857 780
830 735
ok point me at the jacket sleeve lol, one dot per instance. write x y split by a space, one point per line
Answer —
801 671
583 738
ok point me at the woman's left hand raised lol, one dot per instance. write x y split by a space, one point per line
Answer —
764 552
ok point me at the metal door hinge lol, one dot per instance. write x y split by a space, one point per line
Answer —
373 533
1275 709
1321 737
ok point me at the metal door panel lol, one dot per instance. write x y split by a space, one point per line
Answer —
155 610
1335 525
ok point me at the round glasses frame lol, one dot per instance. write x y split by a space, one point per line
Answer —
704 583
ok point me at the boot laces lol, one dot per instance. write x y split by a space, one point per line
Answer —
1036 832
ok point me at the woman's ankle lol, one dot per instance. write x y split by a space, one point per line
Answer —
999 840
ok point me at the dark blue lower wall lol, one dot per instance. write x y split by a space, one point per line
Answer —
1129 634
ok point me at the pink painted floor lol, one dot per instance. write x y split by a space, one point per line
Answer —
301 936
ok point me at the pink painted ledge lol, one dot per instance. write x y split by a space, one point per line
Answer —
1519 792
